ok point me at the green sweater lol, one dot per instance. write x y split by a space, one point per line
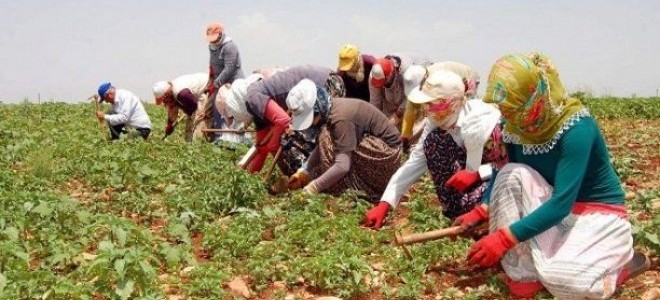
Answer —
579 169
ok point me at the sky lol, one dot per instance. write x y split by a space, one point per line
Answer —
62 50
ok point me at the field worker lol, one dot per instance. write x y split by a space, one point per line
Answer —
265 102
357 148
460 146
229 123
296 145
387 89
556 212
188 94
127 110
354 69
224 67
413 76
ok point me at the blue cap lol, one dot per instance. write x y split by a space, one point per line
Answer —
103 88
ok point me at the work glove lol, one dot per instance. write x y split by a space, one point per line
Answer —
489 250
169 129
472 218
462 180
375 217
298 180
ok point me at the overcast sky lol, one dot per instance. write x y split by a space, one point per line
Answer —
63 49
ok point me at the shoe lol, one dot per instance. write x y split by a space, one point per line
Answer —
637 265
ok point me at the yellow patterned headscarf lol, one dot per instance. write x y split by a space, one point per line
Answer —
531 98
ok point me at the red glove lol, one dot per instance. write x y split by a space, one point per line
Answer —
462 180
472 218
169 128
487 251
376 215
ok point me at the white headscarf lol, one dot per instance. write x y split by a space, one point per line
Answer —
235 101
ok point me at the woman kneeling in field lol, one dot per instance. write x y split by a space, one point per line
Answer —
459 146
357 147
558 205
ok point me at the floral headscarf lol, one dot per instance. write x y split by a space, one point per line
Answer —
533 101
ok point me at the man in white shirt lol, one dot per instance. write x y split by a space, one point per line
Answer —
126 110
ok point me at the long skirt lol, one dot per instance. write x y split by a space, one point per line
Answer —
373 162
579 258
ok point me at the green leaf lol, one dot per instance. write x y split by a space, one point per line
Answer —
146 171
120 265
170 188
83 216
3 282
106 245
653 238
43 209
269 212
28 206
120 234
124 291
11 233
180 231
147 268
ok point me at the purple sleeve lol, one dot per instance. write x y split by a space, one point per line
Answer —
335 173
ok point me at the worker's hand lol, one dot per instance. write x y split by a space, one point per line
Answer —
298 180
100 115
472 218
462 180
210 88
169 128
311 188
489 250
376 215
394 119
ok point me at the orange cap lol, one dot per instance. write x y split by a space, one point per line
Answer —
213 31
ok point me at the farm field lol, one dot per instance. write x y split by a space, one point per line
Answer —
85 218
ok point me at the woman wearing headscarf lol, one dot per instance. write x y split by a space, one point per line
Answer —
410 125
387 91
460 146
186 93
354 69
556 211
357 147
264 103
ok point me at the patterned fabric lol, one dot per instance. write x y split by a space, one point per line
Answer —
579 258
531 97
444 158
335 86
323 103
372 165
296 149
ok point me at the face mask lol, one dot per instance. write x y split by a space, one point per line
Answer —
444 112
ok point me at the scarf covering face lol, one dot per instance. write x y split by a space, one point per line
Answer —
444 113
532 99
